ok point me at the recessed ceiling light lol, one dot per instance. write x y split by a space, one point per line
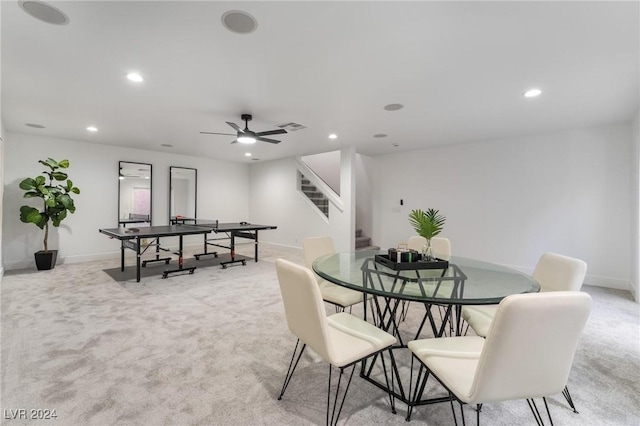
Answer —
333 136
166 145
380 135
35 126
393 107
44 12
92 129
247 154
532 93
239 22
134 76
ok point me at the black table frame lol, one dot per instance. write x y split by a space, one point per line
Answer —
232 231
131 238
386 316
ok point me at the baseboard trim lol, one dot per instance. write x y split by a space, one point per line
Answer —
594 280
30 264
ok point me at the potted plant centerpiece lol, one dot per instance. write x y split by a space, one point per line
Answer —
54 188
427 224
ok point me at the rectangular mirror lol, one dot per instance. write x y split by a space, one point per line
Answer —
183 193
134 189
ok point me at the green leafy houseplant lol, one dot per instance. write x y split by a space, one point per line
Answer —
54 188
427 224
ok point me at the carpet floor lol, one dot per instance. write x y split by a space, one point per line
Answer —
212 348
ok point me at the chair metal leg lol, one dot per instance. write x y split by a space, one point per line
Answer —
536 413
334 416
462 415
392 399
292 367
453 410
421 383
567 396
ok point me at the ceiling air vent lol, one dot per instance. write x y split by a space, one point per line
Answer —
291 127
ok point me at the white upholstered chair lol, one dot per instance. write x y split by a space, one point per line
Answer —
554 272
441 246
341 339
341 297
528 352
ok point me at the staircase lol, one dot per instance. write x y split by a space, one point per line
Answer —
363 243
316 197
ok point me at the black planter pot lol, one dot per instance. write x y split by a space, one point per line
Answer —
45 260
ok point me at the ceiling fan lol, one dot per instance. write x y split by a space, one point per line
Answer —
248 136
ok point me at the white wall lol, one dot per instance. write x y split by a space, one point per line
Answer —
327 167
635 217
364 191
508 201
276 200
222 195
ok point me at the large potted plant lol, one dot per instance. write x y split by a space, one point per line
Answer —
54 188
427 224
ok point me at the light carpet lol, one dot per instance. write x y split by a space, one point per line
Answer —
212 348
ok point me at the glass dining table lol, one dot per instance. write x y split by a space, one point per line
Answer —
447 284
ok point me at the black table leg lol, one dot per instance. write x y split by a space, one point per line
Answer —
190 269
232 246
138 255
256 245
122 255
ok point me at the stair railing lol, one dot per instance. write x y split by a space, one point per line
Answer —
320 185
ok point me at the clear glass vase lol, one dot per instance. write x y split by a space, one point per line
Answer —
427 252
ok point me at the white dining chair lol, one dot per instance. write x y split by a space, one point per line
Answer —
554 272
341 297
441 246
527 354
341 339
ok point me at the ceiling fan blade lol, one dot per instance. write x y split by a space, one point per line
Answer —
212 133
267 140
235 126
234 141
271 132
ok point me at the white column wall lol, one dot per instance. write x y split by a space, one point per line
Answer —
223 189
635 217
1 194
508 201
345 224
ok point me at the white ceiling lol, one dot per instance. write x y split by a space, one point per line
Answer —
459 68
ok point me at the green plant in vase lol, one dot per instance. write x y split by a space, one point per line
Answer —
55 189
427 224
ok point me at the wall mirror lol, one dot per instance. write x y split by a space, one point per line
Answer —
183 192
134 189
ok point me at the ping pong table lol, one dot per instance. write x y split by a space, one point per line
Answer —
134 239
231 231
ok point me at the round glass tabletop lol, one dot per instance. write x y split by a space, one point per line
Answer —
461 281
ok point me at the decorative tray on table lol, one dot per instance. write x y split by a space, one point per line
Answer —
409 266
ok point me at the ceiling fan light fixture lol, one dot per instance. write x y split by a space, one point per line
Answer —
246 139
